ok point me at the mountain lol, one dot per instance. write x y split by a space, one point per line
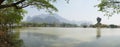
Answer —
53 18
47 18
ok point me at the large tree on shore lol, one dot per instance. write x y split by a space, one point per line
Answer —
11 11
19 4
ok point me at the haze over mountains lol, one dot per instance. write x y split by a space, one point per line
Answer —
53 18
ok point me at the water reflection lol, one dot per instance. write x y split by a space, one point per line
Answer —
98 33
70 37
36 39
11 39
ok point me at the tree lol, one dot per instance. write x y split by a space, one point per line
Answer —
11 11
109 7
19 4
11 15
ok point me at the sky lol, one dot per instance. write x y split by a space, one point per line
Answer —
78 10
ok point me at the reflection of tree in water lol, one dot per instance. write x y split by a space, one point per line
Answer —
10 39
98 35
35 39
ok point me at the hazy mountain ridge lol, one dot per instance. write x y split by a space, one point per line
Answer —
52 18
47 18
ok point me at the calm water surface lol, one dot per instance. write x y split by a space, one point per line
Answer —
70 37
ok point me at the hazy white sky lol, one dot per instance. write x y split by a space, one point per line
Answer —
79 10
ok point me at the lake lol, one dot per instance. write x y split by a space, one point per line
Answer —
70 37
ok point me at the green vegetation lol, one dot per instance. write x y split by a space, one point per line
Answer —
105 26
109 7
48 25
12 12
25 24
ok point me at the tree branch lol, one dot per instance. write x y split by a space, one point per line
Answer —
115 2
11 5
1 1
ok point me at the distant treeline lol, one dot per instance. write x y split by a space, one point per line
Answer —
25 24
48 25
105 26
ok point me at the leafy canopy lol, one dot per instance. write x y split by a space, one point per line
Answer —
109 7
11 15
11 11
19 4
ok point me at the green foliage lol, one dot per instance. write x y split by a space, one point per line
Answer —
11 15
15 39
12 11
39 4
109 7
48 25
113 26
